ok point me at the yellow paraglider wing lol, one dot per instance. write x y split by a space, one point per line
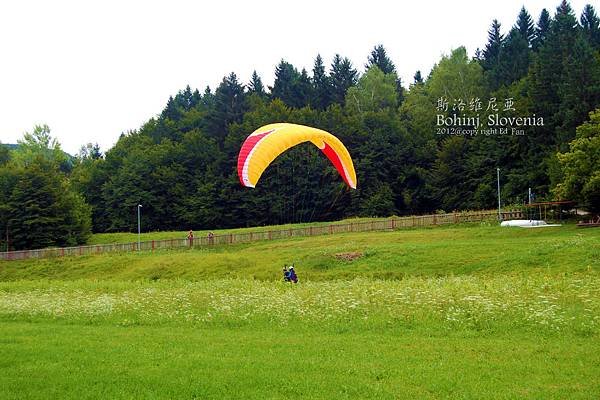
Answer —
266 143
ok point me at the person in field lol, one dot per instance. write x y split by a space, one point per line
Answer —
190 237
286 274
293 276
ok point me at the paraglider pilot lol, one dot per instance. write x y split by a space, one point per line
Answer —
293 276
289 275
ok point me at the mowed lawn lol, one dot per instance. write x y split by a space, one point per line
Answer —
73 361
448 312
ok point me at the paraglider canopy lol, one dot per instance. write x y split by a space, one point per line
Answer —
267 142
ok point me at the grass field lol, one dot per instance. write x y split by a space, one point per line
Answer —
434 251
130 237
447 312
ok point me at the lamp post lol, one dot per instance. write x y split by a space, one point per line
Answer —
139 206
498 178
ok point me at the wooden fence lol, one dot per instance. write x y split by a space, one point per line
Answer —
388 224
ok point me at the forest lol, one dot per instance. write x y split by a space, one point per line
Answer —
528 103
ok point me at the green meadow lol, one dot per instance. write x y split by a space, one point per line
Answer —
472 311
426 252
130 237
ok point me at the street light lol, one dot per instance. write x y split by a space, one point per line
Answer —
498 174
139 232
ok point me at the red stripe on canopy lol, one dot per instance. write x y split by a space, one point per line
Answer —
245 151
335 160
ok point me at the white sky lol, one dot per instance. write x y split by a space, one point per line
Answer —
91 70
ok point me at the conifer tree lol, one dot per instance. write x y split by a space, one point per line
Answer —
196 98
208 99
185 98
171 111
228 107
303 90
590 24
542 29
380 58
514 57
525 26
491 55
256 86
284 87
343 76
321 85
579 89
418 78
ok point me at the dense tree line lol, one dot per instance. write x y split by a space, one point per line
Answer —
38 205
181 165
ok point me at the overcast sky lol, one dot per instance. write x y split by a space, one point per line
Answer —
91 70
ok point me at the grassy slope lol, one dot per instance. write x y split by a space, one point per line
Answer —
130 237
388 255
521 322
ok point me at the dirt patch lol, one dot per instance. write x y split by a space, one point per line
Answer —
349 256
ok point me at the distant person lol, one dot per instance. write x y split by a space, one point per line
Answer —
286 274
190 237
211 238
293 276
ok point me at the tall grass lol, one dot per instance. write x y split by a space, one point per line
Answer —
566 304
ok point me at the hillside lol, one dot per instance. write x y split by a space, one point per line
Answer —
436 251
130 237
